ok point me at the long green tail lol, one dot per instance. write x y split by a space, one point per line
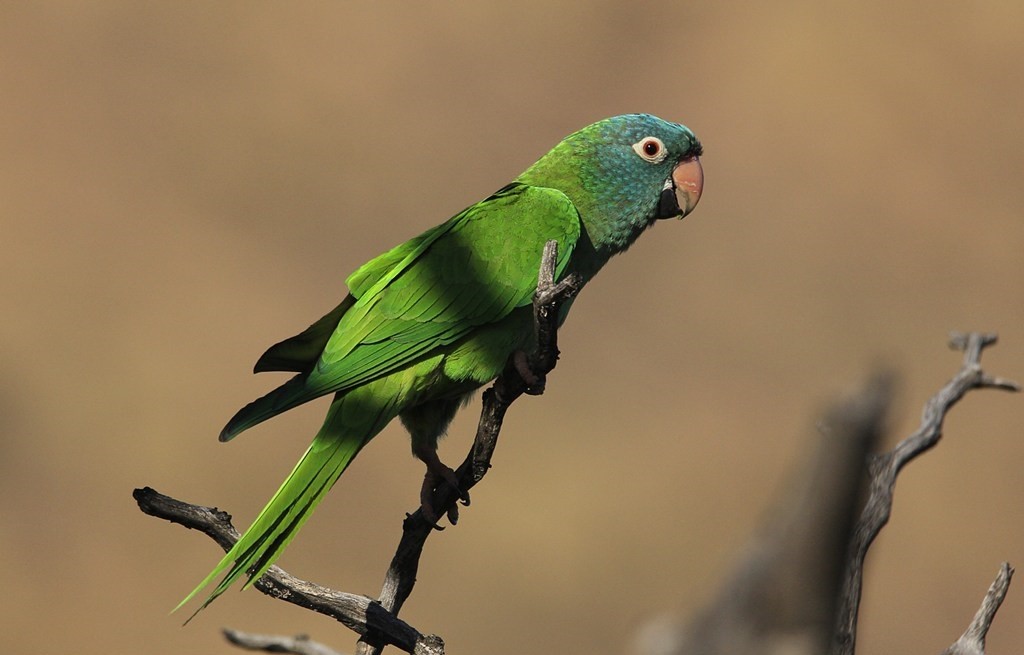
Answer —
327 457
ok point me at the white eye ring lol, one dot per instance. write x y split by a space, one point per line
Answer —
651 148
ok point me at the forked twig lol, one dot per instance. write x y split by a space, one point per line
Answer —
883 469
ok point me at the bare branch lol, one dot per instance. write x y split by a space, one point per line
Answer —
509 386
359 613
883 469
782 595
804 567
972 641
299 645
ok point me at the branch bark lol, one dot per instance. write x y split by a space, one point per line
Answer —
972 641
299 645
359 613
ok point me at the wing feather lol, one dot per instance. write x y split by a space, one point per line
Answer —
473 270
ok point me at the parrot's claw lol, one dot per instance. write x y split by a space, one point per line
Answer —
437 474
534 382
431 481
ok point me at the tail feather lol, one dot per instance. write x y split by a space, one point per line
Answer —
256 550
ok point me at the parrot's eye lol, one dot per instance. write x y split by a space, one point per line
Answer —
651 149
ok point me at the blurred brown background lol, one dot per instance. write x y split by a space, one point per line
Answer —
182 184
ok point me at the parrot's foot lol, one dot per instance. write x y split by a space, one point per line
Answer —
437 474
534 382
430 482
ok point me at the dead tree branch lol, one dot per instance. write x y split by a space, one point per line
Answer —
782 595
376 621
298 645
359 613
797 589
883 469
972 641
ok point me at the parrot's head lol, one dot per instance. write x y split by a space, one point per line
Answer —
623 174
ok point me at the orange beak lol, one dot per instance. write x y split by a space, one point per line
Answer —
688 182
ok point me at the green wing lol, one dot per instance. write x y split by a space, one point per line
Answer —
301 352
422 295
476 269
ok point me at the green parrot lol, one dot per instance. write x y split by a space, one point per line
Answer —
433 319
